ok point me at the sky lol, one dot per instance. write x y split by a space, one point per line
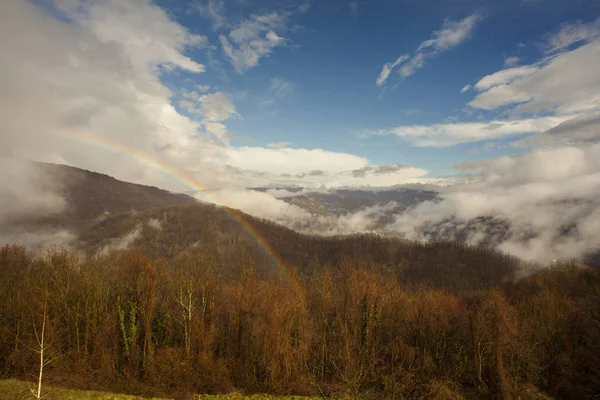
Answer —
299 92
495 101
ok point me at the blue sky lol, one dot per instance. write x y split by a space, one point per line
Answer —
332 53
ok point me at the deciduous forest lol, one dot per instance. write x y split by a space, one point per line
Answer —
352 324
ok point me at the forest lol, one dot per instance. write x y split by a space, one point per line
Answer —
353 324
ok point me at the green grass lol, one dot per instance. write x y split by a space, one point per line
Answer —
12 389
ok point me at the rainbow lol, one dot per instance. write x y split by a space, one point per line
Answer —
177 175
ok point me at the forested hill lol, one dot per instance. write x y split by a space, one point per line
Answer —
165 232
105 215
90 195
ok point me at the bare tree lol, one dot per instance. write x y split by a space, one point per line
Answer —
42 344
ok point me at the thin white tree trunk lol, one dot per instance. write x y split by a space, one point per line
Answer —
39 389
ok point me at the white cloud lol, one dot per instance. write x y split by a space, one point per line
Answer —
96 79
37 192
261 204
442 135
505 76
292 161
285 193
564 84
253 39
288 167
214 10
497 96
572 33
214 108
304 7
582 129
511 61
387 69
126 22
278 145
123 242
466 88
451 34
539 195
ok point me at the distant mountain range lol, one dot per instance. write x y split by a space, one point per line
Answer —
340 202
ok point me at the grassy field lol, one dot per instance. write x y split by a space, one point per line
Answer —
12 389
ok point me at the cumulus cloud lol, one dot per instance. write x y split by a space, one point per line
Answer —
214 10
582 129
443 135
214 108
84 78
292 161
451 34
511 61
564 83
253 39
287 166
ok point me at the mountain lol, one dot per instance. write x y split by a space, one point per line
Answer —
104 215
343 201
100 214
91 196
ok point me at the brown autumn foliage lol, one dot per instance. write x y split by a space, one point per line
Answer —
378 324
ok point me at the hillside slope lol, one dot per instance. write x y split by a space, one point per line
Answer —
232 235
91 194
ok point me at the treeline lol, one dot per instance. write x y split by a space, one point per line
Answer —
190 324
